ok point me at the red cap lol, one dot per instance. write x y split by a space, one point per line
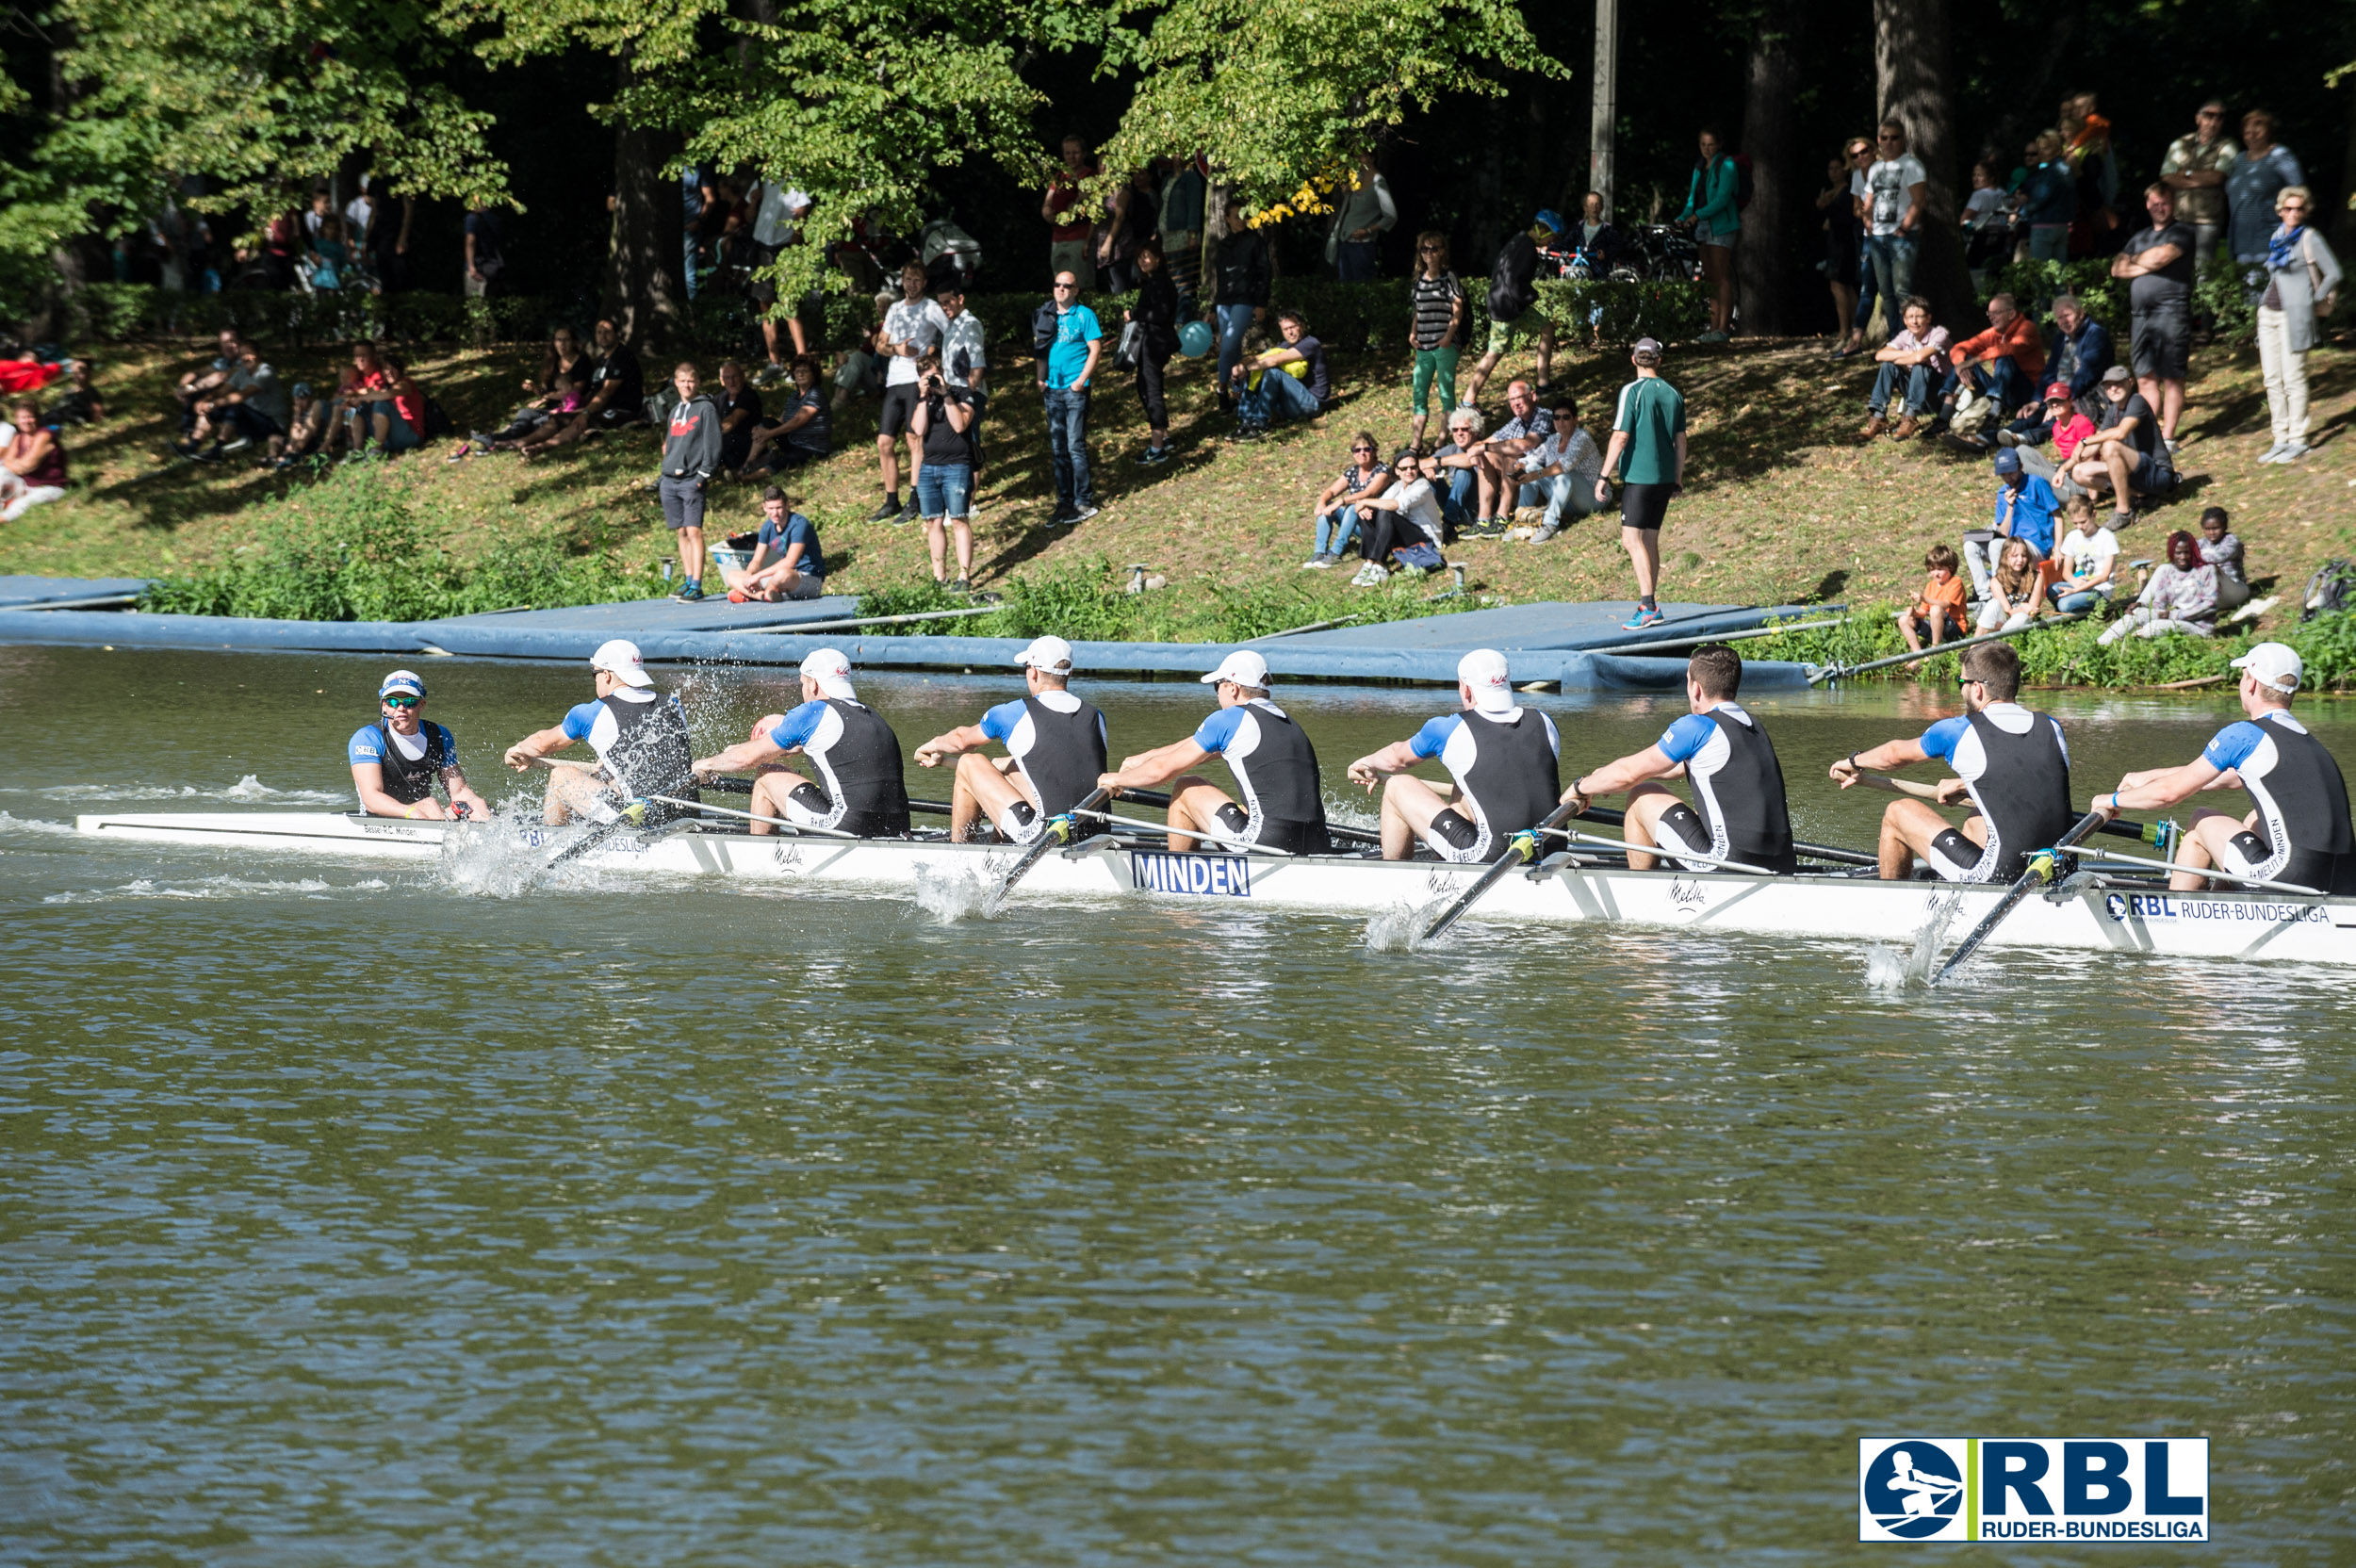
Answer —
2059 389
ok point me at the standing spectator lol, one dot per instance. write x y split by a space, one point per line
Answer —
1064 375
965 361
2078 350
2125 454
1363 214
1565 468
912 326
1292 381
1514 303
1436 326
739 416
2158 259
786 562
2221 550
1915 360
1156 313
1184 196
359 212
2180 596
1710 207
1239 291
1128 218
1599 244
2265 169
2195 169
1896 187
2049 199
1987 220
944 485
802 432
2303 275
2003 363
1842 235
486 260
1070 233
331 259
1859 151
2094 167
691 456
2025 509
388 237
32 466
1647 451
279 244
1340 509
777 219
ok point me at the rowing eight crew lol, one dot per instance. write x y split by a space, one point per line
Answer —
2011 766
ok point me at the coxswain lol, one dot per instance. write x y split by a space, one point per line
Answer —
395 760
1274 765
2011 764
640 736
2299 832
1056 751
859 788
1505 759
1738 812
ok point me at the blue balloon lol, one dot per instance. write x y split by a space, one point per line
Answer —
1194 340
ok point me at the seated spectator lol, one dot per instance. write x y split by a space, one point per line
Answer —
561 388
2124 455
306 425
2221 550
1455 468
331 258
196 383
32 466
860 373
251 408
356 395
1502 491
2078 350
2088 558
1916 359
2025 507
1288 382
786 562
617 398
2058 423
1566 468
2001 365
740 414
2181 597
1339 509
1404 522
2013 588
1937 613
396 420
80 403
800 434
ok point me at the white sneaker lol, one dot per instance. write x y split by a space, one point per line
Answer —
2292 454
2273 454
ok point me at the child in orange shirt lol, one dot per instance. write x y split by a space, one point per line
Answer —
1937 613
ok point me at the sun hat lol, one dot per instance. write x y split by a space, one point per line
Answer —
832 671
2273 664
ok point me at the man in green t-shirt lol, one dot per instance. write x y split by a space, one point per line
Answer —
1647 451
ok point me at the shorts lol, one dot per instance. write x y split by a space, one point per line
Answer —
1293 838
1645 506
1019 823
2248 855
899 407
1502 335
809 806
1455 838
1705 235
1956 858
2162 343
682 502
945 490
1681 824
760 290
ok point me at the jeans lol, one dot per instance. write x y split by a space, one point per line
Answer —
1885 264
2070 603
1233 321
1920 382
2003 380
1566 494
1279 397
945 490
1067 436
1436 364
247 420
1354 260
2049 242
1458 499
1335 530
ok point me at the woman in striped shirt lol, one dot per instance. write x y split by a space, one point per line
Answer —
1437 328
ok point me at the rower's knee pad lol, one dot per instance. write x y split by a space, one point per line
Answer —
1951 852
1021 815
2254 852
1231 817
1686 825
1454 829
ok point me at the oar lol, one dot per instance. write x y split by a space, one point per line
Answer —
1333 829
1662 852
1520 850
1244 845
627 817
2162 834
2041 865
1055 831
2107 858
748 816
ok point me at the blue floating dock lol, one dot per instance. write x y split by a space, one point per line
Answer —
1570 645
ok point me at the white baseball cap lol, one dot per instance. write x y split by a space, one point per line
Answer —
832 671
1482 671
1244 667
401 681
1051 655
2273 664
620 658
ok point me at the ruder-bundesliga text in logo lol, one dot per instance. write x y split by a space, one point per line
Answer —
2084 1488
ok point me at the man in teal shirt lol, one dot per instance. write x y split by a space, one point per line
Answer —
1064 375
1647 451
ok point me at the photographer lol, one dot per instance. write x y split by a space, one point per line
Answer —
944 482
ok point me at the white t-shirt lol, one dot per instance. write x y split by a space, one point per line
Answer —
358 212
2084 554
773 219
1980 203
964 337
1419 506
1887 184
918 323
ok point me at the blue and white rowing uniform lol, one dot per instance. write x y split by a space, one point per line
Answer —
1738 811
411 763
862 787
2301 800
1507 768
1059 747
2016 766
1276 771
643 739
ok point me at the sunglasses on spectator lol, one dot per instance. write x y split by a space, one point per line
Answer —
1063 286
1362 449
402 702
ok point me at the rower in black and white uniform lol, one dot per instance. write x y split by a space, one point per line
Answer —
640 736
1056 751
1505 759
396 760
2011 764
859 788
1274 765
2299 832
1738 813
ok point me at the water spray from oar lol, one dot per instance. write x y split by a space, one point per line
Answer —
1520 849
1053 833
2043 864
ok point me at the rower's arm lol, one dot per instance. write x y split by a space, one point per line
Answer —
743 757
460 795
2156 790
1395 757
1158 766
368 778
1613 777
965 738
540 742
1889 755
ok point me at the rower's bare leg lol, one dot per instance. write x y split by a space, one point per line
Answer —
1907 829
986 789
1409 804
2202 847
769 793
1194 803
572 792
1642 825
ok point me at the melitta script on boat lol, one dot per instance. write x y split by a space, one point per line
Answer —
1190 873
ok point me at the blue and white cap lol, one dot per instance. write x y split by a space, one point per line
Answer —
398 683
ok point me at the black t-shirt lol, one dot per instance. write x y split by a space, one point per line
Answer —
2171 286
1513 282
2145 438
626 382
943 442
747 401
484 226
814 435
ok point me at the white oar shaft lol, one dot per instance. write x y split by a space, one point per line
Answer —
1244 845
2106 858
752 816
1666 853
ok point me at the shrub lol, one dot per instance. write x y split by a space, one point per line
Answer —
1621 311
2035 283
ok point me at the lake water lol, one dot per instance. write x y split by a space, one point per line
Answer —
354 1219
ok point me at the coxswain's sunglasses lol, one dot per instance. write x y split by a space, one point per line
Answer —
403 701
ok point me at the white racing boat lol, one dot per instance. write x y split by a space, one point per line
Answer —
2087 913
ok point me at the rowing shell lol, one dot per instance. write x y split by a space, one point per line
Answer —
2089 915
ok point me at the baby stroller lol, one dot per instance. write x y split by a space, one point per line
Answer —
949 254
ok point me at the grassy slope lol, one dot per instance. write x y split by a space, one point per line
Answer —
1785 503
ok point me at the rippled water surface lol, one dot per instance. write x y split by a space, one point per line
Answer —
351 1218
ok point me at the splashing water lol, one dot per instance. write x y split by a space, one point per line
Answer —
1888 970
1400 928
498 857
33 825
953 893
249 789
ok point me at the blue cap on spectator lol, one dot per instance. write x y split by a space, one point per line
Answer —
2007 462
303 389
1551 220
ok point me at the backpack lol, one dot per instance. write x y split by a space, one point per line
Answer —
436 421
1043 329
2331 591
1742 186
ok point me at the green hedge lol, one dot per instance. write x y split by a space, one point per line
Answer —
2072 654
2221 293
1622 312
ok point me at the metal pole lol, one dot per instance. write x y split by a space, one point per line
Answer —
1842 672
1606 100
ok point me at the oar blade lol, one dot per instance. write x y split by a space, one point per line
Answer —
1518 851
2041 868
1055 831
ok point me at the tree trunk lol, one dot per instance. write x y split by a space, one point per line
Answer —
1915 89
644 292
2344 233
1770 140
